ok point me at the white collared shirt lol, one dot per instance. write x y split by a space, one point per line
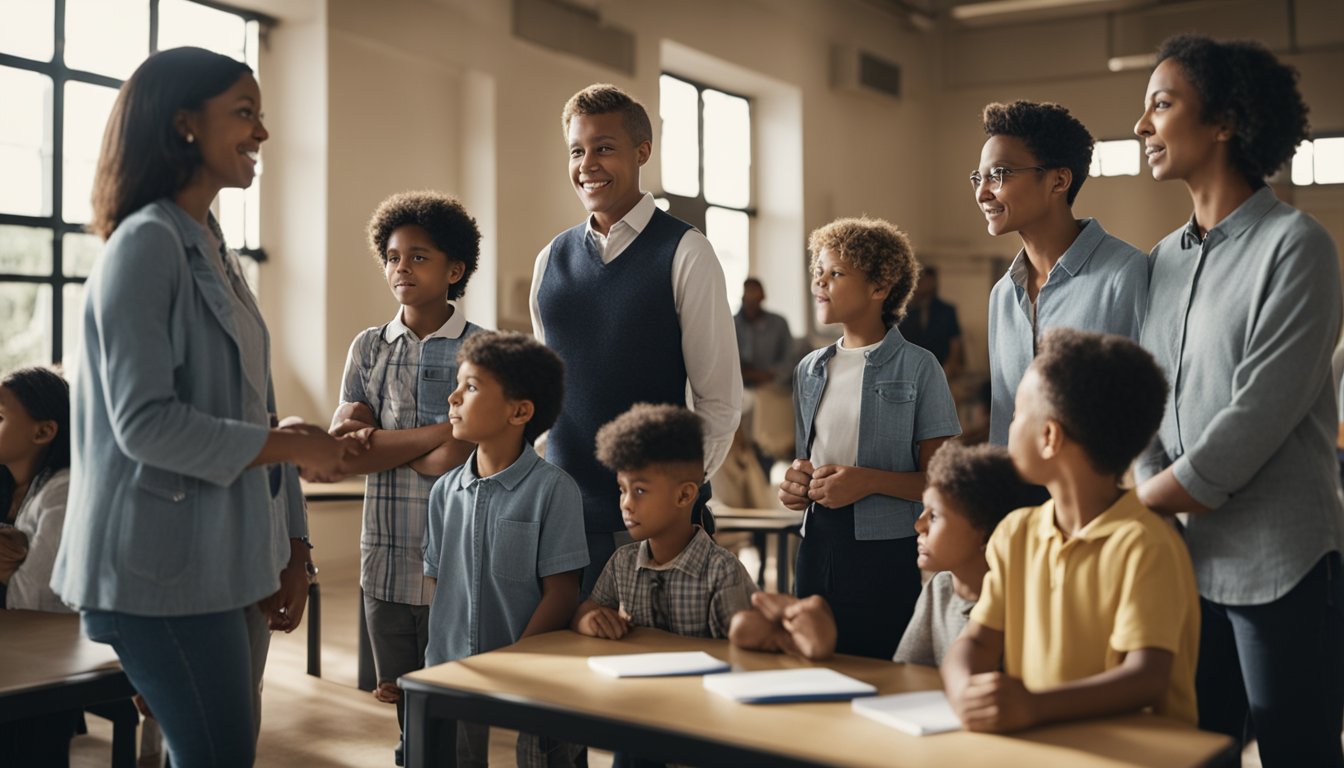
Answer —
708 338
457 322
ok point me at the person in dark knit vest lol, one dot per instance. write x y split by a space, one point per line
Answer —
634 301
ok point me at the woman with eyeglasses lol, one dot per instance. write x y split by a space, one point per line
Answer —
1070 272
1244 314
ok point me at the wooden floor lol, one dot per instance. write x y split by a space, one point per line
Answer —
329 722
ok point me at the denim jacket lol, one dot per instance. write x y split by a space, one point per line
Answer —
165 517
905 399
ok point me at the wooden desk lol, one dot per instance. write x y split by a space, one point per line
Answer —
349 489
48 666
763 524
543 685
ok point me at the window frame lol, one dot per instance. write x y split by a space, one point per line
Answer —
693 210
54 222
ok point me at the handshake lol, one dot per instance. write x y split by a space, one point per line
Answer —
785 624
322 456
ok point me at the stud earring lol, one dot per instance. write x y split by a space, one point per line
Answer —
191 138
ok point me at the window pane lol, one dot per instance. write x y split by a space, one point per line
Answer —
1302 164
29 28
72 325
679 107
1118 158
110 37
730 234
25 143
86 110
727 150
25 250
186 23
25 325
1329 161
79 253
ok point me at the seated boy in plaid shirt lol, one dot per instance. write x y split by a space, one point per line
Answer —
673 577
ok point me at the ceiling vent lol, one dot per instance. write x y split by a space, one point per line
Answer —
859 71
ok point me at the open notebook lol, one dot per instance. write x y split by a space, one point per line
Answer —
919 714
657 664
785 685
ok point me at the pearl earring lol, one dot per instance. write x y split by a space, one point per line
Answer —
191 138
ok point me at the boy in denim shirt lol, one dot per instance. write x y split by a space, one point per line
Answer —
505 540
870 412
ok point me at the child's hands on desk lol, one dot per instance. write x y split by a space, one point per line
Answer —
601 621
797 478
993 702
785 624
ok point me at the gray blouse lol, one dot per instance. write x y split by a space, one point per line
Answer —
1243 324
940 616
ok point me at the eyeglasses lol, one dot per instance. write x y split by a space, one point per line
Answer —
998 174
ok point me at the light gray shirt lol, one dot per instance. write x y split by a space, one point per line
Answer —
1100 284
940 616
1243 323
489 542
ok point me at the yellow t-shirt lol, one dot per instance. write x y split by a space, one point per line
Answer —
1071 608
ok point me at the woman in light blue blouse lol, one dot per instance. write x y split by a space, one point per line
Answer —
185 532
1244 310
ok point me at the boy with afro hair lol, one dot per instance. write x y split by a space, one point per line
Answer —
395 389
673 576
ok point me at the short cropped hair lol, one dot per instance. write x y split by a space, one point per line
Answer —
1105 391
603 99
526 370
648 435
1055 137
880 250
450 228
980 480
1242 82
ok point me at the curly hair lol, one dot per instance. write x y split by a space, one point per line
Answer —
880 250
651 434
1055 137
980 480
526 370
605 98
1106 392
1241 82
450 227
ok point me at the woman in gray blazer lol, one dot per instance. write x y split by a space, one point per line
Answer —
185 534
1243 312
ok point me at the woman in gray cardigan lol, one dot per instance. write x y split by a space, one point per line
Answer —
1244 310
185 534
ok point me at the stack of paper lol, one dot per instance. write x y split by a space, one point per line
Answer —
918 714
657 664
784 685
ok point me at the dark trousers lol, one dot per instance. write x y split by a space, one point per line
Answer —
1279 669
871 586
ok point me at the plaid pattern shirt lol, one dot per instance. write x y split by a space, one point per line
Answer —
405 381
695 595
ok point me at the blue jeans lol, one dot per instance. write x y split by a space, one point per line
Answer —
199 675
1281 664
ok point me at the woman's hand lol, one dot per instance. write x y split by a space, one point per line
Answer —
797 478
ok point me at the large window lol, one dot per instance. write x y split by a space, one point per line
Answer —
1319 161
61 63
706 163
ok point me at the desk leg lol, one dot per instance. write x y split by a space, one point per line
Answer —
782 563
429 741
368 677
315 629
759 540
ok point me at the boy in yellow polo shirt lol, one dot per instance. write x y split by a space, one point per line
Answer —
1090 606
